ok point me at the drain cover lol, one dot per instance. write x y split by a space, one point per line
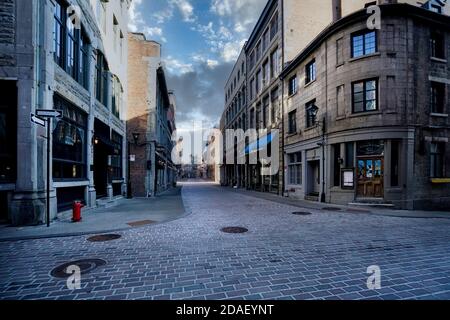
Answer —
104 237
85 265
301 213
234 230
331 209
140 223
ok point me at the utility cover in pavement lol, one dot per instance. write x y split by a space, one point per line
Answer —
234 230
301 213
331 209
104 238
85 265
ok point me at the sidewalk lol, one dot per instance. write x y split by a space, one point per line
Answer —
350 209
137 212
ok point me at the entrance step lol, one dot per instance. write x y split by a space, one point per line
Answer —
372 202
312 198
106 203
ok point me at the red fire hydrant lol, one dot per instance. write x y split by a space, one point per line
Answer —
76 211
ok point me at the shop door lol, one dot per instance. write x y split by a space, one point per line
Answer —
370 177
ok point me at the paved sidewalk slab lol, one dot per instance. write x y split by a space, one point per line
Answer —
137 212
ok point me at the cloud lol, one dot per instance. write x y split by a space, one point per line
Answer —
243 13
177 67
135 19
200 93
186 9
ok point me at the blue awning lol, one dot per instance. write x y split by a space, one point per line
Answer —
260 144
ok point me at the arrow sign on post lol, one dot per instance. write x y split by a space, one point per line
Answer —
49 113
37 120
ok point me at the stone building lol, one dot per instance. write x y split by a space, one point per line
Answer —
52 58
151 119
235 117
367 111
283 29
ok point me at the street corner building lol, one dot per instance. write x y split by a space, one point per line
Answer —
70 56
363 113
151 120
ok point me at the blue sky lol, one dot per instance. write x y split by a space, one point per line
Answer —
201 40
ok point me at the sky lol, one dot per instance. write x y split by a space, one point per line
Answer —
201 40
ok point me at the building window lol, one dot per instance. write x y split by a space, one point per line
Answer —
292 125
252 119
252 89
274 102
70 46
116 97
311 71
258 82
265 73
251 62
365 96
437 151
258 52
437 97
58 34
437 46
83 65
364 43
116 172
339 51
295 169
101 79
293 87
265 40
274 70
311 114
266 111
274 27
69 142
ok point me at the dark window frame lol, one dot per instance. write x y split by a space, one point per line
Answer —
437 160
437 45
310 122
293 85
292 122
310 72
363 34
364 92
437 97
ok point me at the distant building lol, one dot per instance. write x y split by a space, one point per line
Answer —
151 119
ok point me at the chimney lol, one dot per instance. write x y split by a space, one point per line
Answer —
337 10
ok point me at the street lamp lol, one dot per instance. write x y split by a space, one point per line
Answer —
135 141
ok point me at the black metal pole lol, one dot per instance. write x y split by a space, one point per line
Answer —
49 122
323 160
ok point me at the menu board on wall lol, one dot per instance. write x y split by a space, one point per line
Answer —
348 179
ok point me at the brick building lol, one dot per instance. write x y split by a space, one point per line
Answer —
151 119
367 111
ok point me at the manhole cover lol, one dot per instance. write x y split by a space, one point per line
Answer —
234 230
301 213
85 265
104 237
331 209
140 223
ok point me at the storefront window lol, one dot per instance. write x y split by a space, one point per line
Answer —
116 158
295 168
69 142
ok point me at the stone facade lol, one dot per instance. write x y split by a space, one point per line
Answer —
151 118
28 59
387 153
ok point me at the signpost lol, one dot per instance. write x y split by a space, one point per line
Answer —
39 119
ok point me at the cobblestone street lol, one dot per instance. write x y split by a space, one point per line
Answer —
283 256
